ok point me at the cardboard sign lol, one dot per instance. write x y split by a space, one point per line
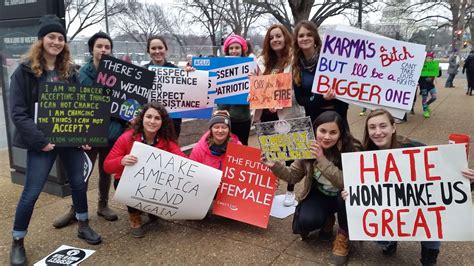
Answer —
167 185
369 69
247 188
66 255
430 69
130 86
270 91
233 84
286 139
408 194
180 91
71 115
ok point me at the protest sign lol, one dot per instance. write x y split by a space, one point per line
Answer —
370 69
66 255
430 69
71 115
247 188
408 194
167 185
130 86
180 91
286 139
232 85
270 91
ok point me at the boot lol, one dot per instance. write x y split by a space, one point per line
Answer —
85 232
65 219
340 249
18 254
428 256
390 248
136 229
104 211
325 234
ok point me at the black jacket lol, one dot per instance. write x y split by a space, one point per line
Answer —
23 96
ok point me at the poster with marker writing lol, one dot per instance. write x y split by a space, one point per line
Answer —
369 69
167 185
410 194
270 91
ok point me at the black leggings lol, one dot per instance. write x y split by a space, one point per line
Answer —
312 212
242 130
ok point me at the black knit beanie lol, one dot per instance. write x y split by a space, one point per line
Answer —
50 23
98 35
219 117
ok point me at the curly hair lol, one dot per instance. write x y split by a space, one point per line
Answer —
270 58
346 142
297 53
166 131
63 65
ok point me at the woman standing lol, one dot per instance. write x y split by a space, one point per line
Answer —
153 127
211 148
323 182
157 48
276 58
306 47
47 60
235 45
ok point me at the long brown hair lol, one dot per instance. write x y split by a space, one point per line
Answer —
35 56
297 53
367 143
166 130
270 57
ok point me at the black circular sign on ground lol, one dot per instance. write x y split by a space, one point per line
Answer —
65 257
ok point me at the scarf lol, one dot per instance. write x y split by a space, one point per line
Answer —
310 64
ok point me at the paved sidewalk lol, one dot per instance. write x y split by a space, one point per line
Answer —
217 240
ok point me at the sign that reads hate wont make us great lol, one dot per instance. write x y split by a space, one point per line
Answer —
73 115
180 91
130 86
167 185
369 69
408 194
247 188
286 139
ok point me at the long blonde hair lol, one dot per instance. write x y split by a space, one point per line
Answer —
35 56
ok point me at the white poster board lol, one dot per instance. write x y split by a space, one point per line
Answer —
66 255
408 194
167 185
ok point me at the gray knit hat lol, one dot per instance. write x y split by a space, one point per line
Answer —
221 116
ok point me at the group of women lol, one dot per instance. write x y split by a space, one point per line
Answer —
49 60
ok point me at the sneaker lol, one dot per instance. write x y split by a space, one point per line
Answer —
428 109
426 114
340 250
289 199
361 113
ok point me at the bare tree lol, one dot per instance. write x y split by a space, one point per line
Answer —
82 14
240 15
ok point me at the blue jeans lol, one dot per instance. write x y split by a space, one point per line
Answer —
38 166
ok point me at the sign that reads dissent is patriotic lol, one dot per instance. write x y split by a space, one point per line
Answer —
408 194
247 188
180 91
369 69
167 185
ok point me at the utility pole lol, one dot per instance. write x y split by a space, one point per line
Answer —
106 17
359 20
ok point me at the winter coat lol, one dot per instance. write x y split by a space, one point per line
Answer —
294 111
202 154
24 87
453 66
123 146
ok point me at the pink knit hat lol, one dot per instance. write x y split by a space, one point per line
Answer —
234 38
430 54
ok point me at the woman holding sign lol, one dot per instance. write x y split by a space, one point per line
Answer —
276 58
306 47
211 148
157 48
47 60
380 133
153 127
323 182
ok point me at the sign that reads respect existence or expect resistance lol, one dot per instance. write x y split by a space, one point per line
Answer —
130 86
286 139
73 115
408 194
167 185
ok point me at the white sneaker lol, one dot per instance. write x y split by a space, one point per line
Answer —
289 199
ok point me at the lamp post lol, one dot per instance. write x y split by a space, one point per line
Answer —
431 36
